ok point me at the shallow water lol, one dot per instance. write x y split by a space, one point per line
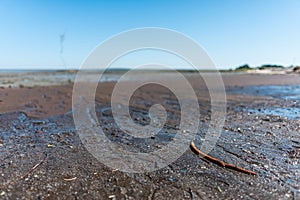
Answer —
287 92
289 113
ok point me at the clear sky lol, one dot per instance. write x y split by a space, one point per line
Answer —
233 32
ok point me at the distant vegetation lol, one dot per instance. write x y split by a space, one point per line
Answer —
270 66
243 68
296 69
247 67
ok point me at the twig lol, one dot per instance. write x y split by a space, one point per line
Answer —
221 163
24 175
32 169
204 155
70 179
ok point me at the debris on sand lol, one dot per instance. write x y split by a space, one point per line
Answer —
221 163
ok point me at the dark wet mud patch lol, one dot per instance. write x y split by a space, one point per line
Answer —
140 117
190 177
269 142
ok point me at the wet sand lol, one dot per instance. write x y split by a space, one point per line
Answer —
42 156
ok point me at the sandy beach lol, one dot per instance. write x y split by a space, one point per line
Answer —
42 156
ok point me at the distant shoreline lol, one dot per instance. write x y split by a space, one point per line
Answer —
258 70
34 78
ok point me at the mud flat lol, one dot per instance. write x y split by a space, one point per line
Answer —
42 156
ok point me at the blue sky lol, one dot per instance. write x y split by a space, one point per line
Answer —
233 32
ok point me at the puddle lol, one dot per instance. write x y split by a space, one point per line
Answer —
287 92
290 113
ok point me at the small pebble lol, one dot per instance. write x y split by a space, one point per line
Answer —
246 151
266 166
